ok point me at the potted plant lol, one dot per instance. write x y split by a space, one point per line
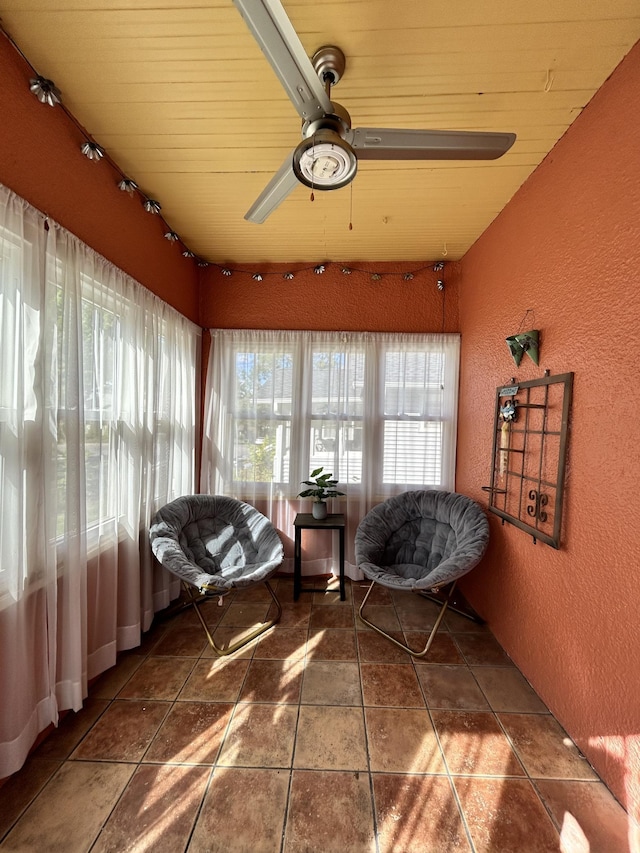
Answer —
323 486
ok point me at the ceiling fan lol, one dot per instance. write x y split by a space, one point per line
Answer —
327 158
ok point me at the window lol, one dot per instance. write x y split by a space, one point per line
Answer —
379 411
414 423
263 409
97 404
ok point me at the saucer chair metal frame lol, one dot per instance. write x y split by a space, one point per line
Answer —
421 542
216 544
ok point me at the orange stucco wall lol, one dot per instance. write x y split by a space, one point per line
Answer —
568 247
332 301
41 161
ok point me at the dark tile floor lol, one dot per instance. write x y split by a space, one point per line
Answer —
321 736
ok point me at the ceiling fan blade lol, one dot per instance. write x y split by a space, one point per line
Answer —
283 182
380 143
279 42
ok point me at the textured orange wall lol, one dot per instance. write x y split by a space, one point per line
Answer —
568 246
40 160
331 301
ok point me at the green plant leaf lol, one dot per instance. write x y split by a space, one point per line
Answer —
323 486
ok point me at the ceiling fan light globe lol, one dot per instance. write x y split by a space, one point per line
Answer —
325 161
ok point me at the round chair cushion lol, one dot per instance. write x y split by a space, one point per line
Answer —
215 542
421 539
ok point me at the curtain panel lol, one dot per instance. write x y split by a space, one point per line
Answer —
98 381
379 411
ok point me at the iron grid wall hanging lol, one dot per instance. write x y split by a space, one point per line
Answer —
529 455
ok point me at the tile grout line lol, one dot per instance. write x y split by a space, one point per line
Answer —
374 810
448 773
285 819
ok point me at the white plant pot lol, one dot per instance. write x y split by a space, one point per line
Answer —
319 510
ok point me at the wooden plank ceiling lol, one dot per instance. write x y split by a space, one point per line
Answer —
182 99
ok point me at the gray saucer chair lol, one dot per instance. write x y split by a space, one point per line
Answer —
216 544
420 542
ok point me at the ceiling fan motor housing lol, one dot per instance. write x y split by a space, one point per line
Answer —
324 160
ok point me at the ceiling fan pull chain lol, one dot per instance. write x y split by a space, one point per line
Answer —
351 206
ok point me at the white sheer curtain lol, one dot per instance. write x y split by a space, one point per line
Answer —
377 410
98 381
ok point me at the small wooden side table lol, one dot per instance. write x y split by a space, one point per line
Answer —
306 521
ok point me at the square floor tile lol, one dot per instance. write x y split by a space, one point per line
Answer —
474 743
450 687
458 624
73 726
442 650
211 609
273 681
111 682
587 815
189 641
507 689
150 639
331 616
329 812
330 738
402 741
482 649
332 644
379 594
157 678
382 616
218 680
124 731
245 614
391 685
331 592
191 734
294 614
506 816
258 592
22 787
260 736
374 648
156 812
282 644
331 683
225 637
546 750
70 811
282 582
415 612
243 811
416 814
